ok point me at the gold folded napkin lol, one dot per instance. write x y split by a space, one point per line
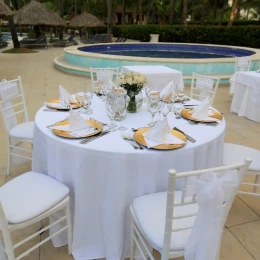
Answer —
160 134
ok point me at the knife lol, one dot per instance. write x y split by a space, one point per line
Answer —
89 139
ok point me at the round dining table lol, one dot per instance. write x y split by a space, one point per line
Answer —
105 175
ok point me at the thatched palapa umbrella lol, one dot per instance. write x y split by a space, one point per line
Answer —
34 13
86 20
5 11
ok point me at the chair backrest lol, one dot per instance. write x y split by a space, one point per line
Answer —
12 105
124 40
213 190
242 64
203 86
101 76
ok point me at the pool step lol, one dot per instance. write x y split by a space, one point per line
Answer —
61 64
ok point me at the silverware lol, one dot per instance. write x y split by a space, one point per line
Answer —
66 118
136 129
129 141
131 138
191 139
205 123
92 138
55 110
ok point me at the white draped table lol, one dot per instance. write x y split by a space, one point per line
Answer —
246 100
105 175
158 76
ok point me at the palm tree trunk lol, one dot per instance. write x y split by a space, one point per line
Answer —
237 15
222 12
62 3
109 21
184 13
232 14
114 12
140 7
12 28
123 12
173 2
203 12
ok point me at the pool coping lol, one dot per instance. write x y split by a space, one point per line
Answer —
74 50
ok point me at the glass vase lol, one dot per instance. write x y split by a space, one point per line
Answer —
135 101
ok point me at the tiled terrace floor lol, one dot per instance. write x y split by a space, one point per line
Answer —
241 237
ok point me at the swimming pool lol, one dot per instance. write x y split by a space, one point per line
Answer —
168 51
78 59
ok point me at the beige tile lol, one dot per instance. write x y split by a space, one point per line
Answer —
231 249
49 252
252 201
248 235
240 213
34 255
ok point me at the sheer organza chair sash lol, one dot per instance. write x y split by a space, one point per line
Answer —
214 196
9 90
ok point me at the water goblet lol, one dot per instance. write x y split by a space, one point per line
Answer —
111 109
122 103
165 108
153 105
88 98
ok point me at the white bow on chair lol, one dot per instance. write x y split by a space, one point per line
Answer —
213 194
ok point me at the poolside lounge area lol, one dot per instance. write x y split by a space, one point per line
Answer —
41 80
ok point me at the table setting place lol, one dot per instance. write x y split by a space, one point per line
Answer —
120 104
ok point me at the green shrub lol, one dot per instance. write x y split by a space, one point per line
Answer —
248 36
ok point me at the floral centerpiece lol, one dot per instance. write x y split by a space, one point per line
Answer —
132 82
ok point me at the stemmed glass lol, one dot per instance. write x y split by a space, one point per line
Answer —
122 102
153 106
147 90
111 109
165 108
88 95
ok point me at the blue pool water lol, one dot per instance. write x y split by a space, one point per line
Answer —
179 51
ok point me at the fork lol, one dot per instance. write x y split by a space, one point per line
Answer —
191 139
129 141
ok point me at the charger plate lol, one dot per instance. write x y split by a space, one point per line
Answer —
51 104
67 134
216 115
139 138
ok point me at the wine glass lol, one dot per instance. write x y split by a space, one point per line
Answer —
111 109
153 105
88 95
165 108
122 102
147 90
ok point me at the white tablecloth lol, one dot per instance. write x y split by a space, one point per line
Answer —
246 100
104 176
158 76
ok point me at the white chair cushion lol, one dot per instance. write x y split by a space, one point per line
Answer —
234 153
149 211
30 195
23 131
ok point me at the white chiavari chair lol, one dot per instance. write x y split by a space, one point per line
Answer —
101 76
203 86
186 222
234 153
14 112
26 200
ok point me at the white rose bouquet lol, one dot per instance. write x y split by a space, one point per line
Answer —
132 82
